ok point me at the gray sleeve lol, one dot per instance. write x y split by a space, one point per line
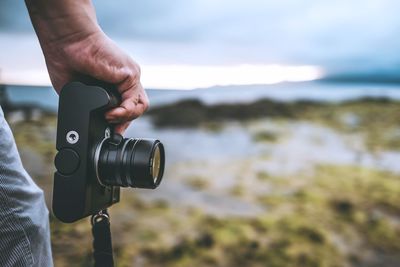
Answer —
24 222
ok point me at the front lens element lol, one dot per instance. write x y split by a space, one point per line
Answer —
156 164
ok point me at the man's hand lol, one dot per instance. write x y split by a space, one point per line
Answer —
74 45
97 56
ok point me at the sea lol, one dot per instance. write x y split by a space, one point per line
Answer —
47 98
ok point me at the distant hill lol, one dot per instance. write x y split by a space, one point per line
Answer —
373 78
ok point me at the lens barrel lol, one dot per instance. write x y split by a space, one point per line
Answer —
129 162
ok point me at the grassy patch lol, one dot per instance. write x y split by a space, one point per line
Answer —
265 136
300 227
198 183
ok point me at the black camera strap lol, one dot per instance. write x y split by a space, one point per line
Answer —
102 245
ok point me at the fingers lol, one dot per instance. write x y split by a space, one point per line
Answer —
131 108
134 103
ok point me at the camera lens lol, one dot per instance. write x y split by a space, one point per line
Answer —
130 162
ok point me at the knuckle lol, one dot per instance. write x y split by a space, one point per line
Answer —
128 116
135 68
133 115
135 72
138 70
132 79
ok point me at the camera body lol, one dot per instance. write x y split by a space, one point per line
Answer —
92 161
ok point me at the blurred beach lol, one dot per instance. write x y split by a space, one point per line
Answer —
294 174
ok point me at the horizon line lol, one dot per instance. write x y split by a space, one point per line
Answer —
188 77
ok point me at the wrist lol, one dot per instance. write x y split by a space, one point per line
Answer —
65 21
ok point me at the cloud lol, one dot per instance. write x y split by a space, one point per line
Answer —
339 35
14 17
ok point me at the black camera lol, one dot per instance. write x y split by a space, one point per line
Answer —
92 161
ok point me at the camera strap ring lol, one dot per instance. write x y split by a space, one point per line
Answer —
99 217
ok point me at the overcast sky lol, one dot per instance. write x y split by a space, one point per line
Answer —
337 36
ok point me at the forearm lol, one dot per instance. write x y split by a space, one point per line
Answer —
74 45
62 20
